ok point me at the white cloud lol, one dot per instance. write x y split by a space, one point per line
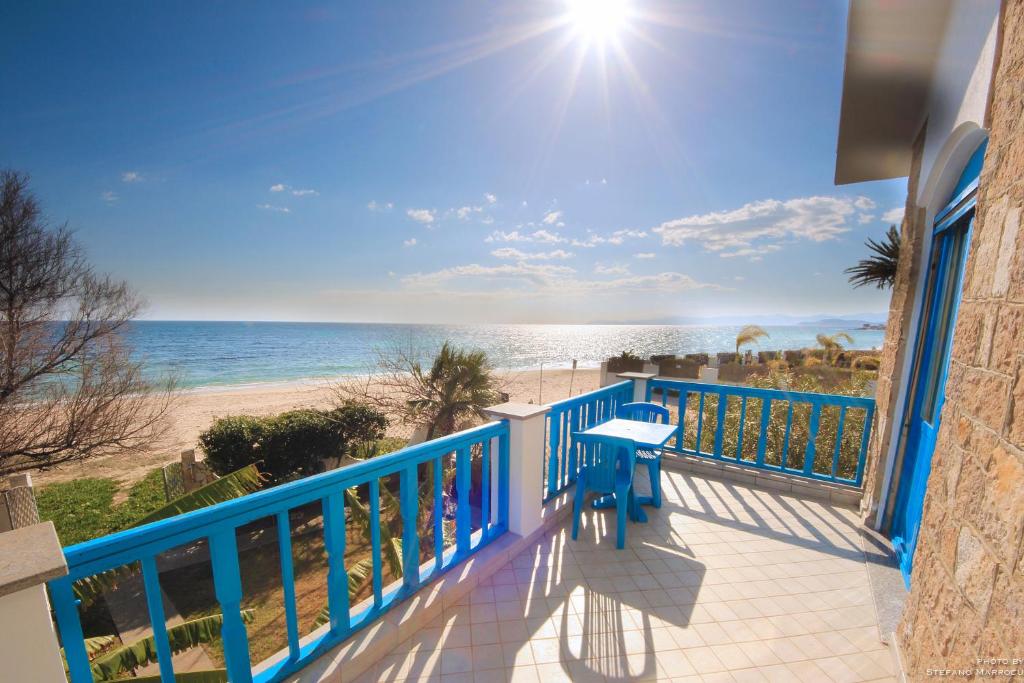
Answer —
551 217
279 187
131 177
109 197
645 255
550 279
864 203
616 238
894 215
611 269
753 253
374 205
865 218
464 212
425 216
761 227
271 207
739 278
411 242
532 273
490 198
539 236
305 193
513 254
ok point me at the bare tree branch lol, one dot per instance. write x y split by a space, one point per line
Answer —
69 389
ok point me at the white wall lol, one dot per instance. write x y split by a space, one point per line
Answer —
956 114
959 95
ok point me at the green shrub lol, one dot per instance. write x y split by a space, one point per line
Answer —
291 445
233 442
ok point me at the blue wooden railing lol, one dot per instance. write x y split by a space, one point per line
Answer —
745 425
561 459
217 525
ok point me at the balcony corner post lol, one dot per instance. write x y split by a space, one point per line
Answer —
639 380
526 427
29 557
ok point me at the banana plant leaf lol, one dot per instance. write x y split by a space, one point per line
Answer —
128 658
358 575
391 547
239 483
235 485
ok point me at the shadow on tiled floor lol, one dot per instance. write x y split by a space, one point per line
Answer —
725 582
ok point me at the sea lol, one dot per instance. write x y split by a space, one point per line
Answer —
225 354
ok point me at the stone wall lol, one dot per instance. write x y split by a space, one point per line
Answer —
898 333
967 598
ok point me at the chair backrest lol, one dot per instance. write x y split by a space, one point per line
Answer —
608 460
643 411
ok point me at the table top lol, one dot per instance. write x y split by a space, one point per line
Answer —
650 434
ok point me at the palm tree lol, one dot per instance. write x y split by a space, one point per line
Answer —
832 344
749 335
880 268
457 386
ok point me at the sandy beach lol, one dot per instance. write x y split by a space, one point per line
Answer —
196 409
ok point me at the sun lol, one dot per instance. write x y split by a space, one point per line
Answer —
597 20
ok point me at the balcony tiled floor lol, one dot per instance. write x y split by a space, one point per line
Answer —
724 583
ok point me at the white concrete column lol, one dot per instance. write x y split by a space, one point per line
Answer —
526 463
640 380
709 375
29 557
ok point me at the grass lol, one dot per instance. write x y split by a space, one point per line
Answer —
84 509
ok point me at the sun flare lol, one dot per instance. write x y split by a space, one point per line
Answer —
597 20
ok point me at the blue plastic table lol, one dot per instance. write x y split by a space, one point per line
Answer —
650 435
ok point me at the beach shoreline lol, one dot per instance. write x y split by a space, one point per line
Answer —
197 408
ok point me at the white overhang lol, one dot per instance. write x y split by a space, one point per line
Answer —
891 50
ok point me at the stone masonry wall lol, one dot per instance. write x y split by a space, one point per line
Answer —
897 336
967 597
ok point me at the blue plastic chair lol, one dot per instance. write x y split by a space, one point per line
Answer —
643 411
607 469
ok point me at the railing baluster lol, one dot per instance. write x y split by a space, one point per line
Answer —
462 510
485 488
284 549
554 432
684 399
839 442
743 422
375 553
812 437
408 483
337 574
65 607
700 423
438 514
762 434
227 585
723 403
157 620
785 441
865 439
503 476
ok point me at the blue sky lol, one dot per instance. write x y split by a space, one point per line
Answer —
446 162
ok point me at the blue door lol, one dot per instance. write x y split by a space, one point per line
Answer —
950 242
